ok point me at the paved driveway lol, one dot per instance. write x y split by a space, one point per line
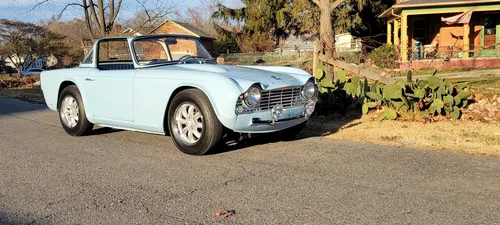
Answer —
122 177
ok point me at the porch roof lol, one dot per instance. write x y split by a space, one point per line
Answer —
396 9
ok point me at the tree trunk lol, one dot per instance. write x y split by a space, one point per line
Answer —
19 73
100 8
327 34
87 18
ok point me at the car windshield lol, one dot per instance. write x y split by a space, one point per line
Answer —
157 50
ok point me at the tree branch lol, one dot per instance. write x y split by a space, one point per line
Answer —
66 7
336 4
37 5
111 9
94 14
114 13
87 18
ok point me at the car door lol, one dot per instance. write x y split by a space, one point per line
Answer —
110 86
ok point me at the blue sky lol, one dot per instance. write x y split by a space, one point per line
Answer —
22 9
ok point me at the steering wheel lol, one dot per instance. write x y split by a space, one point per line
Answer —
182 59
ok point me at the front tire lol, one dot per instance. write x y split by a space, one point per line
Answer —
72 112
193 123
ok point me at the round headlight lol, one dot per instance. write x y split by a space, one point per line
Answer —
252 96
309 90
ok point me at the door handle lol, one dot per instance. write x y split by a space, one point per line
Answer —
89 79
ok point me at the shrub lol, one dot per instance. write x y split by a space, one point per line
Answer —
384 56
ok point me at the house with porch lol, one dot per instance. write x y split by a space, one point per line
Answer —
445 33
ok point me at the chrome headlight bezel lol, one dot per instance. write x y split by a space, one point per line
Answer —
309 90
252 96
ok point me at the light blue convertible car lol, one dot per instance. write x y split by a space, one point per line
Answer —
164 84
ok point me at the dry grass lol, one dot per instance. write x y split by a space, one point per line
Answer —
466 137
488 87
34 95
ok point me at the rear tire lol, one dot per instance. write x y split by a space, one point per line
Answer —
193 124
72 112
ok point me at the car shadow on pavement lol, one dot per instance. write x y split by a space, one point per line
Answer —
317 126
11 220
13 106
103 130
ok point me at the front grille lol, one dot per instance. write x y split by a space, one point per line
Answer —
287 97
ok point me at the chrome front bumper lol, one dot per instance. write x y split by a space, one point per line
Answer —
262 122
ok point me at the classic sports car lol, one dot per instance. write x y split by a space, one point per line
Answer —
170 84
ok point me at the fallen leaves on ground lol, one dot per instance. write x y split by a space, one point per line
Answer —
14 82
225 213
484 109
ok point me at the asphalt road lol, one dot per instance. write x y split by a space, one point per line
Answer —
122 177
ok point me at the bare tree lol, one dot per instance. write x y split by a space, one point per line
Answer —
200 16
73 31
100 16
151 14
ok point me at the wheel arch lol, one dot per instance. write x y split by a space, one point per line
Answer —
172 96
63 85
222 94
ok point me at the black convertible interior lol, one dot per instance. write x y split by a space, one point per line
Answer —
115 65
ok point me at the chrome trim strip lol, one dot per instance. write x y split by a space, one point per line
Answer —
259 121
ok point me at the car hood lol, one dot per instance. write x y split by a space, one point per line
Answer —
245 76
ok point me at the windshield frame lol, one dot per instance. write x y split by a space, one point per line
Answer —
169 54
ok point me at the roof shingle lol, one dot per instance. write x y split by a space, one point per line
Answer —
195 30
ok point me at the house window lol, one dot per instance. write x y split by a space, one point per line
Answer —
419 29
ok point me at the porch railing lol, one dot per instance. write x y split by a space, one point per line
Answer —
451 52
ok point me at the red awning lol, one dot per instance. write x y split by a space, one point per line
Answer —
460 18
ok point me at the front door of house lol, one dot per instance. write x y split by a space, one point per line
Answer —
489 40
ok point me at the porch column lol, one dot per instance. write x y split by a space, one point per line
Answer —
498 36
389 33
404 37
466 41
396 32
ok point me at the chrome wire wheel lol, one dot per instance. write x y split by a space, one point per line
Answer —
69 111
189 123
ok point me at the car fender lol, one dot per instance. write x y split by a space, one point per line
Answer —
157 87
51 82
223 102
